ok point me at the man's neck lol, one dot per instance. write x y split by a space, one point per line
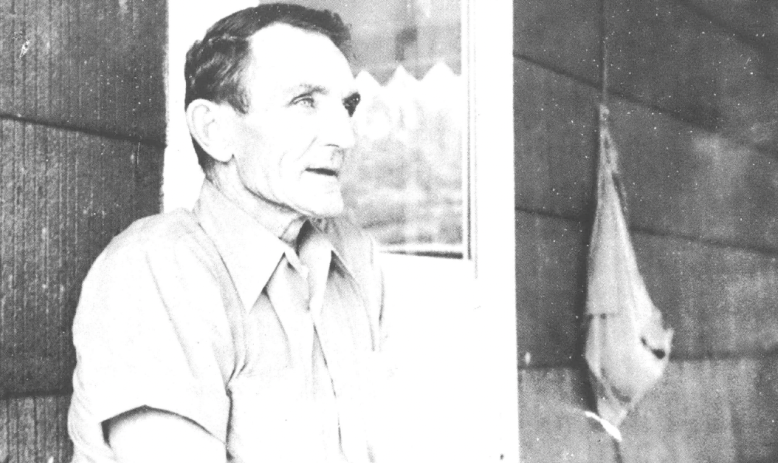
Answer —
278 220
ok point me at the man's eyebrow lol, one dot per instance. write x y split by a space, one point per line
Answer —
307 88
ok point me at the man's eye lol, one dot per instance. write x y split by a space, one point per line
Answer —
351 103
304 100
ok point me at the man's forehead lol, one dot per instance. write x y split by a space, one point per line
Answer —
289 57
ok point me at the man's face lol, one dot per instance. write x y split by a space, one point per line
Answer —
289 147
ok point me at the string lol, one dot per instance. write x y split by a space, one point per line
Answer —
604 53
606 148
608 156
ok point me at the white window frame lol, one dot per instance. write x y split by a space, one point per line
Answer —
489 261
489 53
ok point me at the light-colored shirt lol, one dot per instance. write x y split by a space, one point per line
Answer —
207 315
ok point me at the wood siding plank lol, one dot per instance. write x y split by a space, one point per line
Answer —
22 415
5 433
561 35
34 429
707 410
680 179
668 56
686 181
719 300
64 196
90 65
685 418
553 426
555 128
550 277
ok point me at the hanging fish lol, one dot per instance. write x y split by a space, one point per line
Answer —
627 346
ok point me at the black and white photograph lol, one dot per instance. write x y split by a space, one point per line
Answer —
245 231
395 231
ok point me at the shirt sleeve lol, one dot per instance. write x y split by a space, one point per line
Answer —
151 330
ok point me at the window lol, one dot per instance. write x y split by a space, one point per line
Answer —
405 183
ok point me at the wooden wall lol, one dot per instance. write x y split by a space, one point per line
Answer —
694 104
82 123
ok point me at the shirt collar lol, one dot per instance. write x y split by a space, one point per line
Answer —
249 251
328 228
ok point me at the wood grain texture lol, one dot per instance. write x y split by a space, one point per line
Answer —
686 418
555 127
668 56
34 429
680 179
709 410
561 35
88 64
686 181
550 281
754 20
711 63
721 301
64 196
553 427
693 110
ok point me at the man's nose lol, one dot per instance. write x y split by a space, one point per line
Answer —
339 129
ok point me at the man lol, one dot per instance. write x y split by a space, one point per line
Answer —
246 330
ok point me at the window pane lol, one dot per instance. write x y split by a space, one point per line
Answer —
404 180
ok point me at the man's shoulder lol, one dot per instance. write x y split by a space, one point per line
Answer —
164 253
157 235
159 229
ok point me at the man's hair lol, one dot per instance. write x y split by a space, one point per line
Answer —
214 65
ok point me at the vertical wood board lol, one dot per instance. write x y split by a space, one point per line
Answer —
64 196
89 64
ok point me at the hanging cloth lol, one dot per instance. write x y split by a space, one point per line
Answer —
627 347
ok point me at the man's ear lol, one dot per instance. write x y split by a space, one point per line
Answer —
208 125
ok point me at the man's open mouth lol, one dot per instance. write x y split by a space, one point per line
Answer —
323 171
